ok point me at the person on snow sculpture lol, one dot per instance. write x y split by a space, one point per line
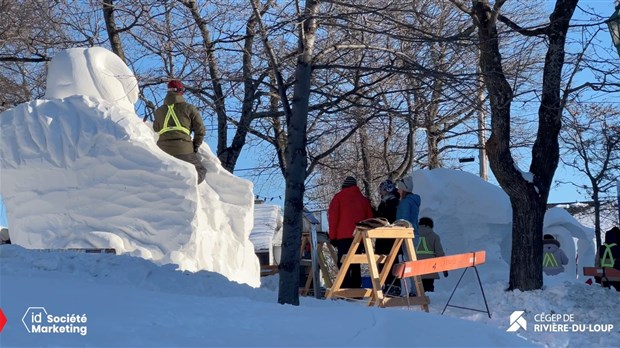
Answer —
554 259
174 122
348 207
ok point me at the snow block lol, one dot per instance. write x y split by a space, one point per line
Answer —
81 170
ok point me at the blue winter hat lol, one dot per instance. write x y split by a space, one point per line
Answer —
387 186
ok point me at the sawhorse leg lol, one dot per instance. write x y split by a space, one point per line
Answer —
481 289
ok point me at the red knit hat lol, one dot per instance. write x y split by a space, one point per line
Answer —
176 86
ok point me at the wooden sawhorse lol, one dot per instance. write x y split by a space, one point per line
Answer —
606 274
361 235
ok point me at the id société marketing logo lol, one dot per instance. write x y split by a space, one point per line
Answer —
555 322
38 321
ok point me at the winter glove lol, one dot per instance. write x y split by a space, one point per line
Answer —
445 274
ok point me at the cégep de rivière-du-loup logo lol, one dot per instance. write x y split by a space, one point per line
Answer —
517 321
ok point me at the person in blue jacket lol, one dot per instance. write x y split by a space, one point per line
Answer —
409 210
409 205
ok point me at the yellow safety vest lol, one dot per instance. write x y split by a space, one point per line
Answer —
422 248
608 260
177 125
549 260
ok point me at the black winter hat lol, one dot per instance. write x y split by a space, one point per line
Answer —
349 181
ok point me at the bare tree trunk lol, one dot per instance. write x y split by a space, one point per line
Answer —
112 29
432 140
367 179
295 153
296 157
433 133
597 215
229 155
214 71
279 135
482 124
528 198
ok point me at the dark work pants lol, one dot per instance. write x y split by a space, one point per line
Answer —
353 278
193 159
428 285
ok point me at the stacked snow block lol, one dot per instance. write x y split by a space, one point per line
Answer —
267 222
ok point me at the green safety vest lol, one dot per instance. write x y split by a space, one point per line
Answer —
422 248
608 260
177 125
549 260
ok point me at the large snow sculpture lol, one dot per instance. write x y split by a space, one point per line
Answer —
80 169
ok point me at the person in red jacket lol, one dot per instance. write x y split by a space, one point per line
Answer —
348 207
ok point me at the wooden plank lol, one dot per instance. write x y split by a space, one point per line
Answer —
405 301
390 232
363 259
611 273
352 293
438 264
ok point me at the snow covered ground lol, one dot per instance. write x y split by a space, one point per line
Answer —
131 302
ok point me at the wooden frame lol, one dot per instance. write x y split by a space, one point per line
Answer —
322 262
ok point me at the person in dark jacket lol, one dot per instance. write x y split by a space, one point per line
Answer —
348 207
428 246
554 259
174 122
387 209
609 256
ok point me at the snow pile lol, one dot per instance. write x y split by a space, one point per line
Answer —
574 238
85 171
470 214
267 221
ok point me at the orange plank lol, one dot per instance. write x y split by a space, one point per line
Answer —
438 264
598 272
